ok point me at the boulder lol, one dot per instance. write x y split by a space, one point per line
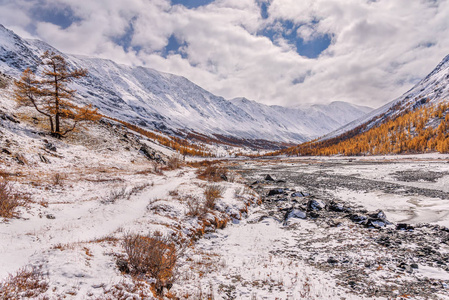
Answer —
273 192
335 206
268 178
314 204
403 226
296 213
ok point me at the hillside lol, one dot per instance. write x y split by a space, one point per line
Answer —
67 206
416 122
173 104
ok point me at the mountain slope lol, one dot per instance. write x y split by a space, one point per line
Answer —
434 88
174 104
418 121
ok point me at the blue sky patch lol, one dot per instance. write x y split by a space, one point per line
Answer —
61 16
286 30
264 9
174 46
192 3
125 40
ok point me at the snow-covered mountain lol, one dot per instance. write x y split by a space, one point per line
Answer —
171 103
433 88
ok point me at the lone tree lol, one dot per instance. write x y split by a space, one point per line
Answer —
50 94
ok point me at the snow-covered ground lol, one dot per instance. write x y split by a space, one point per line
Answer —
401 251
86 192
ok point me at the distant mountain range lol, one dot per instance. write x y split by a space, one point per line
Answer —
175 105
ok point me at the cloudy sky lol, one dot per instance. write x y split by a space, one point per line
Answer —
285 52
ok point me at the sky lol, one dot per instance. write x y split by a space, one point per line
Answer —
277 52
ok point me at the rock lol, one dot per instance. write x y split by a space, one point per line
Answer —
297 194
276 192
334 222
122 266
375 223
335 206
281 200
268 178
5 116
384 241
296 213
314 204
359 219
332 260
405 267
50 216
403 226
314 215
378 215
43 159
224 177
50 146
20 159
280 181
6 151
414 266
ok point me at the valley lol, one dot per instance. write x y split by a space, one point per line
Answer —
167 191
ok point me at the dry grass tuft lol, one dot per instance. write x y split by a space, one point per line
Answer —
212 193
135 290
25 284
115 195
10 200
58 179
154 255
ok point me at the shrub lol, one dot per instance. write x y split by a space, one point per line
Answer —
156 168
58 179
212 193
213 173
27 283
154 255
114 196
174 162
195 207
10 200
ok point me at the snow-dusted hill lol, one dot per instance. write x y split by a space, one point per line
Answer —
171 103
433 88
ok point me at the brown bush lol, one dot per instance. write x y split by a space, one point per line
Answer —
154 255
58 179
174 162
213 173
10 200
212 193
27 283
195 207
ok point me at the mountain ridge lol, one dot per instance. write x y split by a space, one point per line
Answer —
171 103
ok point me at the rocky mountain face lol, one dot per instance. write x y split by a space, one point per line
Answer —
175 105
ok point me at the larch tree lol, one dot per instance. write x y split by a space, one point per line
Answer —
51 96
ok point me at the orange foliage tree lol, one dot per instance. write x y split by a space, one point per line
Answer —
50 94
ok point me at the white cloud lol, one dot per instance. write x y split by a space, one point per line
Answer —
379 48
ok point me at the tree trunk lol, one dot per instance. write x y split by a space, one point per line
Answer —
56 101
51 124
